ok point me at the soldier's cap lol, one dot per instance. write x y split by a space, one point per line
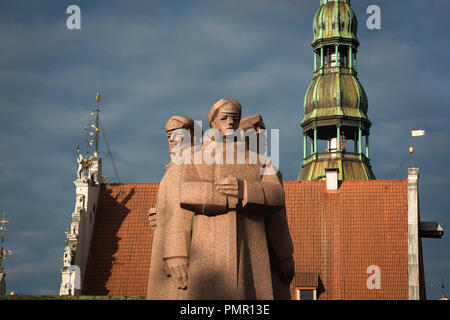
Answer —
230 104
179 122
252 122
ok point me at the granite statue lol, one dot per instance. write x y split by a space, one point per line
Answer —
229 254
220 228
280 245
172 224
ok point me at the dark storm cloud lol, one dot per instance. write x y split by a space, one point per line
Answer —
152 59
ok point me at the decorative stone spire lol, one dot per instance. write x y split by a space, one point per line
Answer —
2 282
88 181
443 297
335 104
3 254
90 167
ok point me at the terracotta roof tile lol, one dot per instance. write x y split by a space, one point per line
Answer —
306 279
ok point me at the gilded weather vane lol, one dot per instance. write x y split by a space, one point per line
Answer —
93 138
93 129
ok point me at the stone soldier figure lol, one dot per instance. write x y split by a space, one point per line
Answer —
229 256
171 240
281 249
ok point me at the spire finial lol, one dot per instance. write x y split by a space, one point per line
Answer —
98 97
95 126
322 2
93 129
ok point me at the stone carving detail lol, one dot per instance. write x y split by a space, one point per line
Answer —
173 226
280 245
2 282
94 169
67 256
81 174
90 169
80 203
68 259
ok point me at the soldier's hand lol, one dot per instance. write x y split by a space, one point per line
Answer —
288 269
231 186
152 218
178 269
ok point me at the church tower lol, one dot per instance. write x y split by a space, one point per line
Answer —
335 105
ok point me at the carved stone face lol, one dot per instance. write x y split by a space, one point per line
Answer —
174 139
227 120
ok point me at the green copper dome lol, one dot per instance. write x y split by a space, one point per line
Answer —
335 95
335 19
335 127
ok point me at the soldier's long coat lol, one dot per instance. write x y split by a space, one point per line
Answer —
171 238
229 256
280 249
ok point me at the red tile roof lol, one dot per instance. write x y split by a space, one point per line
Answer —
337 236
120 251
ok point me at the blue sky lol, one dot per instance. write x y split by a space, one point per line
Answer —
153 59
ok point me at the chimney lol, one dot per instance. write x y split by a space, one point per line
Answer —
413 234
332 179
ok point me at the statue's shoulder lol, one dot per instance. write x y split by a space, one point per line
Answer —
173 172
268 168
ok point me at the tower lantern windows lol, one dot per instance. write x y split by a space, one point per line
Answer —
343 56
336 56
329 57
335 145
333 60
332 145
